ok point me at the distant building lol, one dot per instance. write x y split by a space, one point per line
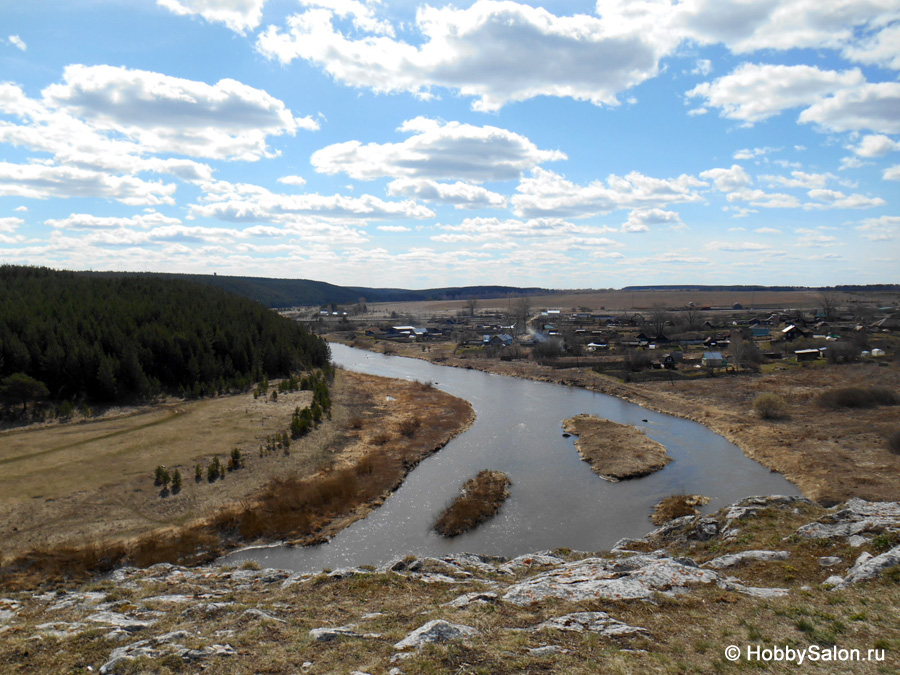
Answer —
713 360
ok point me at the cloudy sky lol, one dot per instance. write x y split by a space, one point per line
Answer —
565 144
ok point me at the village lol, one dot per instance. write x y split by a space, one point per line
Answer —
640 344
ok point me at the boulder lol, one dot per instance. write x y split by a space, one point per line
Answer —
733 559
437 630
870 568
592 622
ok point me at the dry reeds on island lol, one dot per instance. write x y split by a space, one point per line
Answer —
677 506
479 499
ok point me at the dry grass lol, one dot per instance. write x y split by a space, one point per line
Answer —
857 397
615 451
770 406
479 499
677 506
338 478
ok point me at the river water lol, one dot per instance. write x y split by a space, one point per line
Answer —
555 499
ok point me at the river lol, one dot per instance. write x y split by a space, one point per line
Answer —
555 499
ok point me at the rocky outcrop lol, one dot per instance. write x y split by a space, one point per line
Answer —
437 630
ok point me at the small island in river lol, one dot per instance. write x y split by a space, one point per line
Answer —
615 451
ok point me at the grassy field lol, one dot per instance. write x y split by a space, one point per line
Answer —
73 483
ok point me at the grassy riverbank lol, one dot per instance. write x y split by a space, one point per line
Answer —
95 503
615 451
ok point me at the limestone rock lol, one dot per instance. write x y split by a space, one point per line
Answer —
853 519
733 559
331 633
871 568
593 622
437 630
476 598
633 578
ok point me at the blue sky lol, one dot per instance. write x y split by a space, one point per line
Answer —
566 145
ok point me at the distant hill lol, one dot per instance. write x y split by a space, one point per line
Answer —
849 288
299 292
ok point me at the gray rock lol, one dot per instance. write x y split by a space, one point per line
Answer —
853 519
733 559
546 650
857 540
331 633
833 580
871 568
830 560
437 630
595 578
593 622
476 598
732 584
524 562
120 621
254 613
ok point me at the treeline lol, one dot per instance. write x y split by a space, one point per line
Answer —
127 339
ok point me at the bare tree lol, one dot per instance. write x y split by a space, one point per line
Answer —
692 316
828 302
471 304
659 316
522 313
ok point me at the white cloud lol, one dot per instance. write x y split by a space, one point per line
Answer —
461 195
737 246
437 150
292 180
891 173
228 120
728 180
498 52
814 238
762 199
40 181
881 48
835 199
753 153
746 26
21 209
549 194
482 229
885 228
702 67
393 228
18 42
641 220
86 221
239 15
800 179
767 230
875 145
362 14
755 92
10 224
871 106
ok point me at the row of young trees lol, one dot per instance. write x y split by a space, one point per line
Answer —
74 336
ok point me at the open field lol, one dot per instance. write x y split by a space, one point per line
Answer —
618 300
75 483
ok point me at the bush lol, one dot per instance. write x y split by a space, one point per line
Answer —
858 397
894 442
770 406
408 427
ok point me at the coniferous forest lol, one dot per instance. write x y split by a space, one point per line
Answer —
70 336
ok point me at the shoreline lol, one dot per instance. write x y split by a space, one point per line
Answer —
828 474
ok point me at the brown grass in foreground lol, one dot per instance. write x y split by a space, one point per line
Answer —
479 499
677 506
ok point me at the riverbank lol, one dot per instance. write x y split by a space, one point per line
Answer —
760 574
615 451
84 518
830 455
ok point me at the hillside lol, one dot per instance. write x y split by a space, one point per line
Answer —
77 337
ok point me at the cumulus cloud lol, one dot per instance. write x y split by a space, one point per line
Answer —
10 224
437 150
891 173
885 228
498 52
755 92
835 199
753 153
640 220
875 145
238 15
17 42
548 194
292 180
86 221
564 234
737 246
871 106
800 179
361 14
461 195
728 180
879 49
228 120
42 181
